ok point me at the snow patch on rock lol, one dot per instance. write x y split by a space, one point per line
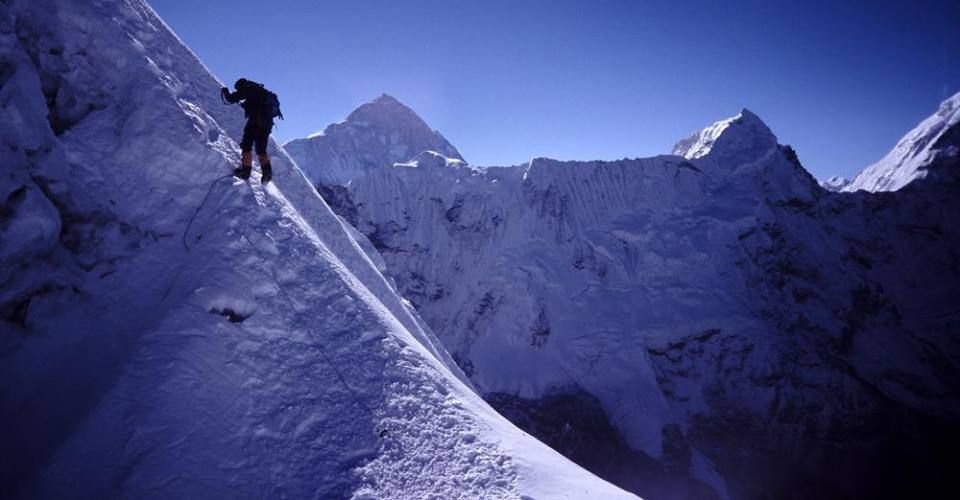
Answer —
836 183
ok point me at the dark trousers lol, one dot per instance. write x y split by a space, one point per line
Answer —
255 134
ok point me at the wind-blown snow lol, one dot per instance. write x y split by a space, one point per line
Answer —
255 352
934 139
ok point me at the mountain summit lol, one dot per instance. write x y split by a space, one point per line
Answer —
377 134
741 138
387 112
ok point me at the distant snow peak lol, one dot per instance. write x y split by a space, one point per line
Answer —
378 134
740 138
937 137
384 110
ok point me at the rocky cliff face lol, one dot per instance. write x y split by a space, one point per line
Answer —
741 330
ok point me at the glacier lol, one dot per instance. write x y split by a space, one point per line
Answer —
257 352
714 319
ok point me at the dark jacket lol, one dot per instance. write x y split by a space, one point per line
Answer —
253 97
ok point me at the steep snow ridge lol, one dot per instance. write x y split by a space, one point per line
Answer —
255 352
933 139
377 134
729 141
724 310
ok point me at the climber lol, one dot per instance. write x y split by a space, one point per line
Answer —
260 107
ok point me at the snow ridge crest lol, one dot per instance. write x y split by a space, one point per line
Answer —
432 159
934 138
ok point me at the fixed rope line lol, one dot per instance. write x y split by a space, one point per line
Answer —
197 211
358 398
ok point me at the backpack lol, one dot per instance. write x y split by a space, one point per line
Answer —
271 105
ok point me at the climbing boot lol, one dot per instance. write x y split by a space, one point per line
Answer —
243 172
246 162
267 173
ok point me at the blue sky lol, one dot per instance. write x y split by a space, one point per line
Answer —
505 81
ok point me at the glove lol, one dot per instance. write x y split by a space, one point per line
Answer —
225 91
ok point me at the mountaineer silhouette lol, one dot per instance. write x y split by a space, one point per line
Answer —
260 107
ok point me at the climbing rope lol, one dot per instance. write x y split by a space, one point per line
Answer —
197 211
381 432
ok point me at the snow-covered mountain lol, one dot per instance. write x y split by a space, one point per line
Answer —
706 324
381 132
729 141
169 332
935 141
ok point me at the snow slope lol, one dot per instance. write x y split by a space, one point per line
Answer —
377 134
933 140
169 332
744 333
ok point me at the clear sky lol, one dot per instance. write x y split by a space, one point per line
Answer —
507 80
